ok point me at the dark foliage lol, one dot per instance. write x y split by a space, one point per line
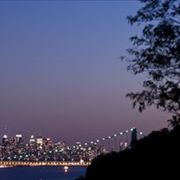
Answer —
156 52
153 157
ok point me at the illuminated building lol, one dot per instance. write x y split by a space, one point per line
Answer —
32 140
4 140
39 142
18 139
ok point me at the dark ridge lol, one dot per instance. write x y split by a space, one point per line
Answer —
156 156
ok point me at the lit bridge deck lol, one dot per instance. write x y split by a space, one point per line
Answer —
42 163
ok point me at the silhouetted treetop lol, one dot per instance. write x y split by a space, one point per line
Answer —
156 52
153 157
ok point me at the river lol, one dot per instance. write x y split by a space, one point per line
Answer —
41 173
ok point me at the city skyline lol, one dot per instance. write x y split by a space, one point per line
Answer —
60 71
26 139
42 149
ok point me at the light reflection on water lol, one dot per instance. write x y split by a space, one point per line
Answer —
41 173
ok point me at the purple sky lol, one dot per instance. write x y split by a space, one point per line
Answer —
60 73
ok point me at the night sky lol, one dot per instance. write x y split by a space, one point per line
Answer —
60 72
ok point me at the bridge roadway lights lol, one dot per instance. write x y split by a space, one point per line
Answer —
43 163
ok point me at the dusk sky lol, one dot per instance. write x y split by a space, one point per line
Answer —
60 72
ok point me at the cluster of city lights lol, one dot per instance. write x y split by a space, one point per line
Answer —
44 149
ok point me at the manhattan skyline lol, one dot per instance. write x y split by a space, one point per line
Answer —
60 72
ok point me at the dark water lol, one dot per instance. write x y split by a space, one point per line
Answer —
40 173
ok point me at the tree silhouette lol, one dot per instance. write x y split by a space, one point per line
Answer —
156 52
154 157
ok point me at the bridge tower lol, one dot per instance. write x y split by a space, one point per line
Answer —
133 136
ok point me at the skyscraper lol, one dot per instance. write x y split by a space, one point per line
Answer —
32 140
39 142
18 139
4 140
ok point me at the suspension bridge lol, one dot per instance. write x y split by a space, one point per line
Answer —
88 150
115 142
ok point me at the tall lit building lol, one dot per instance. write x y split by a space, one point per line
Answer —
32 140
18 139
4 140
39 142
